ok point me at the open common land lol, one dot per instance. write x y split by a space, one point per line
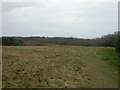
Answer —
59 66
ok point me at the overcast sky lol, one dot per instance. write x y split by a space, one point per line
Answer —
59 18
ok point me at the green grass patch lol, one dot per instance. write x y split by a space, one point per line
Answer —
110 55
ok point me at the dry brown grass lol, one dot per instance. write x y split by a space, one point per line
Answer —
53 67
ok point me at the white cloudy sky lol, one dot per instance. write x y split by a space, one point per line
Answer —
59 18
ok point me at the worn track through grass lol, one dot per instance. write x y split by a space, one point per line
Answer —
58 67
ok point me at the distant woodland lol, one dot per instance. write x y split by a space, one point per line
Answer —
111 40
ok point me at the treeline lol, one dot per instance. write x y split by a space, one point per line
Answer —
111 40
11 41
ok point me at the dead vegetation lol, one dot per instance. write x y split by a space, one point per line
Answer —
55 67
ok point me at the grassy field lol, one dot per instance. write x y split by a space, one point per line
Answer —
59 67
